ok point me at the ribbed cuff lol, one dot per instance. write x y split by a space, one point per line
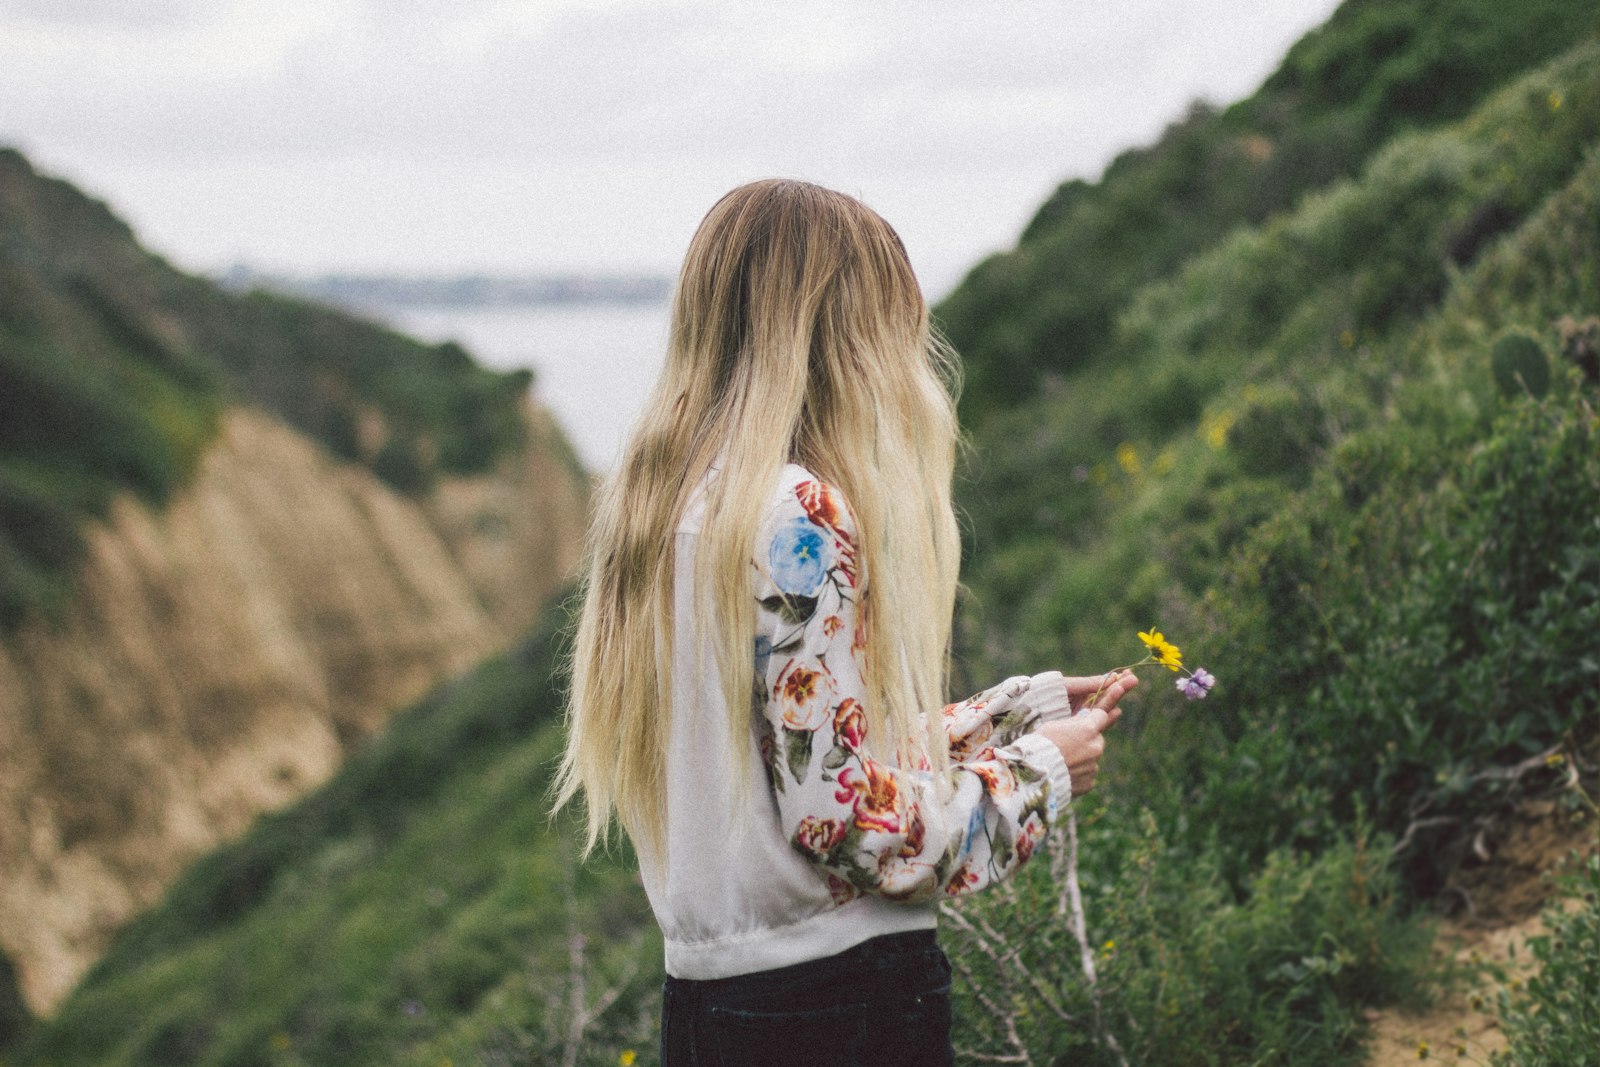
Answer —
1043 756
1047 694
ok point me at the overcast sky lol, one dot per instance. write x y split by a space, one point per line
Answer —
528 135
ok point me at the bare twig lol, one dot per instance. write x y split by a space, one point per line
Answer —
1517 770
1058 871
1010 960
1513 773
581 1015
1421 824
1006 1016
1081 932
968 1055
577 1018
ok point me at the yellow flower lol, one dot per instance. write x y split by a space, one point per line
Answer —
627 1057
1422 1050
1128 459
1215 428
1165 652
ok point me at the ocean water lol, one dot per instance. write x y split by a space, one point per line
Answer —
593 364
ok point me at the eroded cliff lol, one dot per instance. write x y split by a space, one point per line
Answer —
224 651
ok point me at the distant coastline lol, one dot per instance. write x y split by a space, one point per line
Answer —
455 290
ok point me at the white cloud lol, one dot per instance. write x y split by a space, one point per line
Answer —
442 132
140 16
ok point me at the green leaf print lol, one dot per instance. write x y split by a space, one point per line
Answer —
1013 724
797 746
1001 847
792 608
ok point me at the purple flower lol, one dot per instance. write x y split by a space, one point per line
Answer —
1196 685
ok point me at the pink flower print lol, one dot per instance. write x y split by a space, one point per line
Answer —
916 833
850 725
840 890
873 794
901 878
968 729
963 881
819 836
1028 840
822 506
803 695
997 777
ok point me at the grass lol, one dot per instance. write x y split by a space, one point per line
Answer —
418 909
114 370
1279 438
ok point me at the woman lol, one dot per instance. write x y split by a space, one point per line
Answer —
765 627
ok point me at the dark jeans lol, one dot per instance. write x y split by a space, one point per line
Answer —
884 1002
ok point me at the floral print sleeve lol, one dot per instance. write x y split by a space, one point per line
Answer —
873 826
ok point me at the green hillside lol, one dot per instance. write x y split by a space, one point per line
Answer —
1293 452
417 910
1335 434
114 367
1376 69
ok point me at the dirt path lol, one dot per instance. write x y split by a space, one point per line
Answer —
1500 904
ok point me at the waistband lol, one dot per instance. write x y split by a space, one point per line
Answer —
866 954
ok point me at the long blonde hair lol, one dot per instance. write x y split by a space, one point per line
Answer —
799 334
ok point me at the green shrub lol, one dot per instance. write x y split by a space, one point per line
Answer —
114 369
1554 1021
1398 653
1342 92
417 908
1279 434
1189 970
1520 365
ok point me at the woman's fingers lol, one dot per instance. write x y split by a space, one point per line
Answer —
1081 743
1081 688
1106 689
1081 738
1118 689
1092 721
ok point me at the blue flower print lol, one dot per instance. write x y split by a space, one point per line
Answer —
800 556
975 830
763 655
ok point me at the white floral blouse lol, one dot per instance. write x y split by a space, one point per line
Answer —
874 827
827 842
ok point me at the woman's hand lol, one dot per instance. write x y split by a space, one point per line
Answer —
1081 737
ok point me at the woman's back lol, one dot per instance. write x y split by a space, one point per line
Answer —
760 662
732 893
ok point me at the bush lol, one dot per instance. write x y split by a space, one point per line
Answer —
1189 971
1373 71
1402 653
1555 1020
